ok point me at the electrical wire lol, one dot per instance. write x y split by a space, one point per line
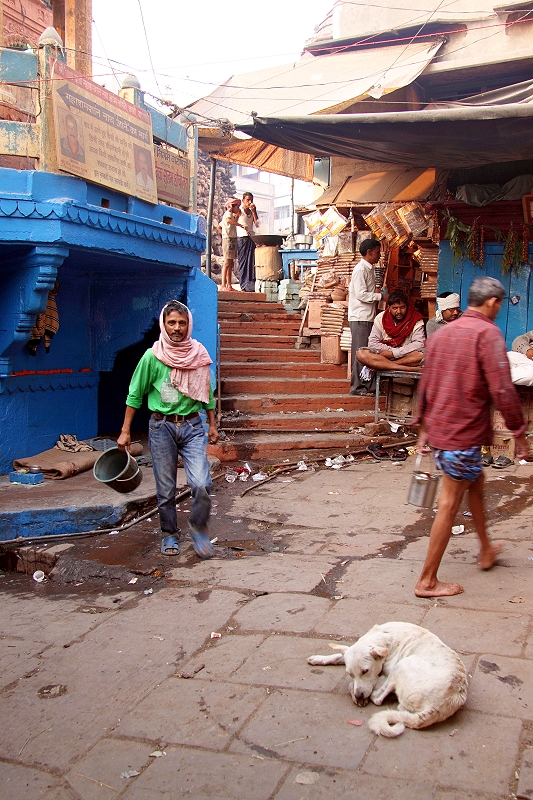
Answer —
148 47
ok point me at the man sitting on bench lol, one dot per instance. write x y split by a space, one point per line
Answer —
397 338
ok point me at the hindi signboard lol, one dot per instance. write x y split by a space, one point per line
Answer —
100 136
172 176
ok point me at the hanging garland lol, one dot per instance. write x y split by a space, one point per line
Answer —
468 241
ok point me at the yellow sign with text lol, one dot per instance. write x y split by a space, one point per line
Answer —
101 137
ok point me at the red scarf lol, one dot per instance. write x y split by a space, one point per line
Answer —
398 332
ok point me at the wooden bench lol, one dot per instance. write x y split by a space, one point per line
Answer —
390 374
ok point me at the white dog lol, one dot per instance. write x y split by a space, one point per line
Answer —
427 676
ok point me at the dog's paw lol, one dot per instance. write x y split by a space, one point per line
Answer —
317 660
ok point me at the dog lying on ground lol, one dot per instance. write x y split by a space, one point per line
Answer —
427 676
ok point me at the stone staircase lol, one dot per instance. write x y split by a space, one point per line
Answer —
278 402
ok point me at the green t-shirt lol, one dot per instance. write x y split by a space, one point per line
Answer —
149 374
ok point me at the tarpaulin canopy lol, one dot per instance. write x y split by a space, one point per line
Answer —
313 85
317 84
451 137
370 188
254 153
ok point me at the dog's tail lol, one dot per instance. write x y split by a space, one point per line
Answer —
393 723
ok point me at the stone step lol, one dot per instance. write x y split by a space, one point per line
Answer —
265 354
258 339
267 370
256 316
245 329
247 446
310 421
274 403
242 297
292 385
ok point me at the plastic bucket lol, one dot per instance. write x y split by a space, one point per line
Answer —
117 469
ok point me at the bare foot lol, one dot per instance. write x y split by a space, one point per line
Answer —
438 589
487 558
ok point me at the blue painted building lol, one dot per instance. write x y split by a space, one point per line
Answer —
115 267
116 260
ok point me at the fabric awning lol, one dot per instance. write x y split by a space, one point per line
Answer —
454 137
317 84
313 85
254 153
383 186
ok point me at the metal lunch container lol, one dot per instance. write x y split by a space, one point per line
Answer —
423 487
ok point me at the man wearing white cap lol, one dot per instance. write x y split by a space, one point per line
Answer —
448 309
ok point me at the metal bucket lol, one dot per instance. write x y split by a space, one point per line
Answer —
117 469
423 487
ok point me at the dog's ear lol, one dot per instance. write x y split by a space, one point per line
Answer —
379 651
342 647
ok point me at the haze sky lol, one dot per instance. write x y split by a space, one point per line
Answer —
197 45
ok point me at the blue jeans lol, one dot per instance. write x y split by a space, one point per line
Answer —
167 440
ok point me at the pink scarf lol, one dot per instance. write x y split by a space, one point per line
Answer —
189 361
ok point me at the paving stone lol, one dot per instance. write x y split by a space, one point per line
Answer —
525 781
272 573
481 756
502 686
222 657
479 631
351 618
310 541
282 661
129 654
198 713
59 621
373 579
17 657
331 783
374 497
458 794
486 589
294 613
23 783
184 772
359 544
104 764
307 728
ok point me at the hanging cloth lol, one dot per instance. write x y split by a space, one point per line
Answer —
46 325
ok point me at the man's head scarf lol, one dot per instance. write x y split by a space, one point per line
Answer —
188 359
444 303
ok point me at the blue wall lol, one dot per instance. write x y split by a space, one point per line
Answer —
115 268
512 320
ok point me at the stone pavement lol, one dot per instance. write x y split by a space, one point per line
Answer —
99 684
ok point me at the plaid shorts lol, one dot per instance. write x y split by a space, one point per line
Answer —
460 465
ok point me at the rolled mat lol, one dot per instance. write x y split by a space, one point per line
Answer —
57 464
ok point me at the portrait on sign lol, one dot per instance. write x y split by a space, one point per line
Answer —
71 135
144 175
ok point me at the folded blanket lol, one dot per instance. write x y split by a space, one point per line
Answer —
57 464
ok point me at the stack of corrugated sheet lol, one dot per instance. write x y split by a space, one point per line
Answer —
332 319
429 265
341 265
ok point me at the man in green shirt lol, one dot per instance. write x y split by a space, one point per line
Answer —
175 375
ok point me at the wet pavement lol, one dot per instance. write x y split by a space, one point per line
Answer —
113 688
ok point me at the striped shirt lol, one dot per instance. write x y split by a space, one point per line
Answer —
466 371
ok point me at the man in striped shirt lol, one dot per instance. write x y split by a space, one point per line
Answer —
466 372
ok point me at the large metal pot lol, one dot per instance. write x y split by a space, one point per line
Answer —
302 241
270 240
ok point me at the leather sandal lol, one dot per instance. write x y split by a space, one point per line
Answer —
378 451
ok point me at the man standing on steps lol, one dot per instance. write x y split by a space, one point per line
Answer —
363 297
